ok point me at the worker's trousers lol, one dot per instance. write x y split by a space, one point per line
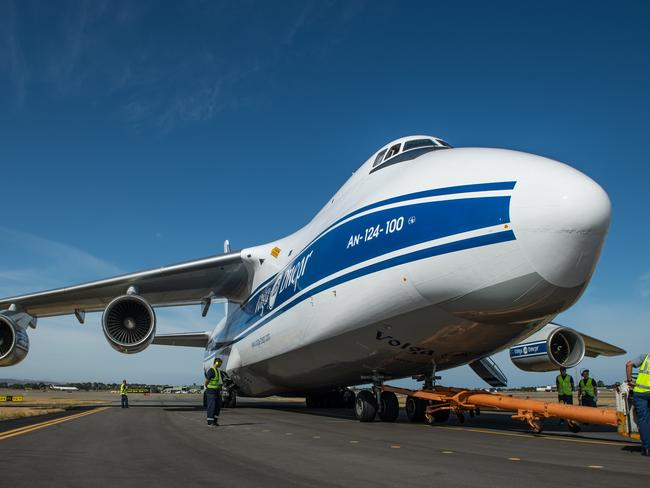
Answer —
214 403
642 406
588 401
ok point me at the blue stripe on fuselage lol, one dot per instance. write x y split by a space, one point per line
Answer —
450 190
365 238
464 244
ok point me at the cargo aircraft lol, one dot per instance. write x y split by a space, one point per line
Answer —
428 258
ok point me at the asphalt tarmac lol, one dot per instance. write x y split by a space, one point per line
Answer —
163 442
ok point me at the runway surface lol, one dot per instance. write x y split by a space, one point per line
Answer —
166 443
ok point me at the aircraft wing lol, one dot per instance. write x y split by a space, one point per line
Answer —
595 347
184 283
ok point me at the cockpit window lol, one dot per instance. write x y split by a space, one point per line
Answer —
392 151
379 157
418 143
412 149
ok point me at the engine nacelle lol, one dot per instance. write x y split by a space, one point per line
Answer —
549 349
129 324
14 342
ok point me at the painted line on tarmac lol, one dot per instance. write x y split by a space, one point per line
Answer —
30 428
538 436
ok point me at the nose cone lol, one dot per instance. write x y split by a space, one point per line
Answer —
560 218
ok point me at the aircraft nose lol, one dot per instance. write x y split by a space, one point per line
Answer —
560 217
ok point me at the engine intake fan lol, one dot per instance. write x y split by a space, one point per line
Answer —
129 324
14 343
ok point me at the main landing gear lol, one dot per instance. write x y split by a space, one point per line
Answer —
376 403
382 403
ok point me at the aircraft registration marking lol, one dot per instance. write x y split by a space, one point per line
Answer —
375 231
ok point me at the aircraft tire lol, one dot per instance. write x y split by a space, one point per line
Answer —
365 406
415 409
231 400
389 407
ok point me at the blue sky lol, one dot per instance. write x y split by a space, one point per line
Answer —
135 134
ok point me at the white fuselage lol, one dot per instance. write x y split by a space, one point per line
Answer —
437 260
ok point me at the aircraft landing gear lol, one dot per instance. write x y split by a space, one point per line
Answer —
375 402
389 407
365 406
415 408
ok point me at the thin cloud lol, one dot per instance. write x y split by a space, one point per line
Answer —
44 263
156 82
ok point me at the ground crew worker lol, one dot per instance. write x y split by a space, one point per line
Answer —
565 387
641 397
124 390
213 392
587 390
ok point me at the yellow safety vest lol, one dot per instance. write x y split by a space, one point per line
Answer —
123 389
642 384
215 382
587 387
564 385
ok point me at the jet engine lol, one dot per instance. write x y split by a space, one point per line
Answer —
14 342
129 324
550 348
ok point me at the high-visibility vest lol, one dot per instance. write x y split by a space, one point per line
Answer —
642 384
215 381
124 389
564 385
587 387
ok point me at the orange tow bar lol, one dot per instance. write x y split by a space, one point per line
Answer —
533 412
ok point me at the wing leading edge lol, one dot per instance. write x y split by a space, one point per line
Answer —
185 283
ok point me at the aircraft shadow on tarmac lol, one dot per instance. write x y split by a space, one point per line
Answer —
495 421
